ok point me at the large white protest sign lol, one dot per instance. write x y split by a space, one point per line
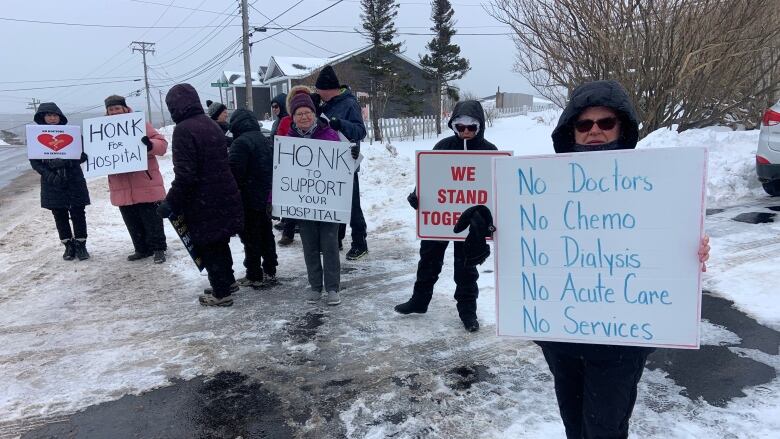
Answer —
113 144
449 182
601 247
53 142
312 179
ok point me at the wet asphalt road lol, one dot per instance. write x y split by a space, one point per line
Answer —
274 401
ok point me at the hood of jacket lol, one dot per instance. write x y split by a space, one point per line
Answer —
281 101
473 109
183 102
597 94
49 107
242 121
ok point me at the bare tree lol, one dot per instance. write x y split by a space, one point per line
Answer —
691 63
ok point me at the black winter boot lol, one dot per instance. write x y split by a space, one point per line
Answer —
81 249
471 325
412 306
70 249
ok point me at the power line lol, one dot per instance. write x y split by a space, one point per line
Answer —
181 7
113 26
335 31
273 20
201 43
302 21
66 79
69 85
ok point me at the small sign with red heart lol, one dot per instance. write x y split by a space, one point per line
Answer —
55 143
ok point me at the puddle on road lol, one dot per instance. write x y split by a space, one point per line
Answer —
714 211
467 376
726 373
228 405
755 217
304 329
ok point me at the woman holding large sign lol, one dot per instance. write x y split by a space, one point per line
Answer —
137 193
318 237
63 190
596 384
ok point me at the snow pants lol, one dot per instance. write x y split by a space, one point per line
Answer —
218 262
595 396
429 268
318 238
357 222
145 227
63 218
259 245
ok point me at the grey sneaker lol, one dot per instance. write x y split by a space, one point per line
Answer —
209 300
246 282
333 298
314 296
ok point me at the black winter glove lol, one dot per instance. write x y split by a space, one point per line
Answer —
164 210
84 157
413 201
54 178
145 140
355 151
479 220
57 163
335 123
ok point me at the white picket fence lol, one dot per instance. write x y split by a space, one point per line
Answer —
424 127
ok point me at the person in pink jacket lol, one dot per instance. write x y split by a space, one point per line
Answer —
138 193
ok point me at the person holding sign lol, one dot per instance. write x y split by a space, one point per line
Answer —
138 193
63 190
251 160
318 237
595 384
468 124
203 191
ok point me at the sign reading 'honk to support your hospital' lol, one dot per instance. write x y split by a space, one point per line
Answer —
313 179
601 247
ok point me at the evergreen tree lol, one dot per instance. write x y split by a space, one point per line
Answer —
443 64
379 25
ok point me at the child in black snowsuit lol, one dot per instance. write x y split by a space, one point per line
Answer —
63 190
468 123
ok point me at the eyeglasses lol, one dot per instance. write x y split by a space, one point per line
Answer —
461 128
605 124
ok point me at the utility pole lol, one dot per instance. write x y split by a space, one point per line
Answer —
247 66
144 47
162 109
33 104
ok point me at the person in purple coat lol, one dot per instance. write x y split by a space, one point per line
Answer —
317 237
204 191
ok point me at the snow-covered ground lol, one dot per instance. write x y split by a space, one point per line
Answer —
73 334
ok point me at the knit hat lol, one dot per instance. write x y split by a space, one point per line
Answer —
115 100
215 109
301 100
327 79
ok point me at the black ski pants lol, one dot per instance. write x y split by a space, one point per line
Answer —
218 262
63 217
145 227
357 222
259 245
429 267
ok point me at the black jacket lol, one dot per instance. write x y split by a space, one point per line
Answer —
73 190
345 107
251 160
454 143
203 189
280 100
597 94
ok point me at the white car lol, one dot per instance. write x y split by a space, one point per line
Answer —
768 153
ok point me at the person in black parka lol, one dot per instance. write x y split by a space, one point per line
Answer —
468 123
203 190
63 190
251 160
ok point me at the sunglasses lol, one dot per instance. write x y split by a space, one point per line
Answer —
586 125
461 128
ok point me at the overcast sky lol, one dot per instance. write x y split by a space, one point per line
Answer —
57 55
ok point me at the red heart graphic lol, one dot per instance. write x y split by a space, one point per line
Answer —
55 143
